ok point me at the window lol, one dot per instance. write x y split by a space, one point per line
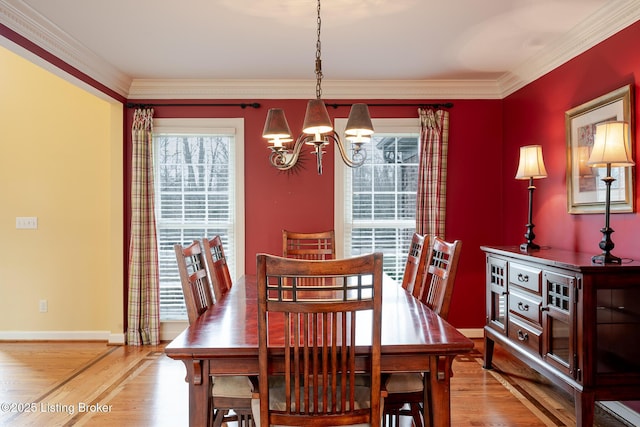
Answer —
376 203
199 187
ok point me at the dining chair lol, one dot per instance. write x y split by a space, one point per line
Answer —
193 277
440 276
313 245
322 382
412 281
232 393
415 264
217 266
405 392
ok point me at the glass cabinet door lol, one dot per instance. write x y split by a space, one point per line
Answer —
558 306
497 278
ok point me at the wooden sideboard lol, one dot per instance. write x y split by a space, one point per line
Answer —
575 322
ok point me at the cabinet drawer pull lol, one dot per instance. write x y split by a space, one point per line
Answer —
523 307
523 278
522 336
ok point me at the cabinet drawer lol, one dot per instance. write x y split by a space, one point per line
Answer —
524 335
525 306
526 277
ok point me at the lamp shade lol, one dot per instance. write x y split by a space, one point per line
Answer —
359 123
276 126
611 145
316 119
531 164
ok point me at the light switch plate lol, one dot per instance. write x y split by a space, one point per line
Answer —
27 222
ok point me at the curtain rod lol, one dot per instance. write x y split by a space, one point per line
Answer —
257 105
439 105
241 105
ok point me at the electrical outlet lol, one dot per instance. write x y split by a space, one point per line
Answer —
44 306
27 222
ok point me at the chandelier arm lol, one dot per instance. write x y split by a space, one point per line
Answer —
359 155
279 159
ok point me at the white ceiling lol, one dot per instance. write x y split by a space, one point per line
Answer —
491 46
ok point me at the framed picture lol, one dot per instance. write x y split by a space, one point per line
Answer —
585 189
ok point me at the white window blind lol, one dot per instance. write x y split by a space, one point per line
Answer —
196 196
376 203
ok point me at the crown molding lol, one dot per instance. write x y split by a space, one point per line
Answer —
19 17
610 19
305 89
22 19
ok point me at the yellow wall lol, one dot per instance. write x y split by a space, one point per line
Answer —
60 161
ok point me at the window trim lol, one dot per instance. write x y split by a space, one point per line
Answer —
170 328
397 125
215 125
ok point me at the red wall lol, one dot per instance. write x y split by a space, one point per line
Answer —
535 115
302 200
485 204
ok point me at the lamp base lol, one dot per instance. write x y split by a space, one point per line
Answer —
606 258
529 246
606 244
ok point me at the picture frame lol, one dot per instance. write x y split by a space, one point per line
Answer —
585 188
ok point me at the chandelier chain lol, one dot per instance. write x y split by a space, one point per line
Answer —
318 57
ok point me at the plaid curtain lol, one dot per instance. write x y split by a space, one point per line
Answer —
432 172
144 302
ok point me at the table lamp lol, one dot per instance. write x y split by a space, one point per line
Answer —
531 166
610 149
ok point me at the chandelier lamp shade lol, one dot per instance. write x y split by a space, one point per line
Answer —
530 166
317 129
610 149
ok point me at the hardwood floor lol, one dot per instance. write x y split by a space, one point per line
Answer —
92 384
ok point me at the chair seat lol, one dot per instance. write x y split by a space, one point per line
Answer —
232 386
409 382
277 400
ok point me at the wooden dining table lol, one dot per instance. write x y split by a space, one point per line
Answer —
224 341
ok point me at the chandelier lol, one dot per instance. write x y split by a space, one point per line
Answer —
317 130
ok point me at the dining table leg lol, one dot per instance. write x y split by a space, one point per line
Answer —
199 385
439 402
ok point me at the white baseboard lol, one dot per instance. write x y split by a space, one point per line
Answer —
116 339
107 336
171 329
622 411
472 333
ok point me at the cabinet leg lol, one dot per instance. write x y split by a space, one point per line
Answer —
585 402
488 352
